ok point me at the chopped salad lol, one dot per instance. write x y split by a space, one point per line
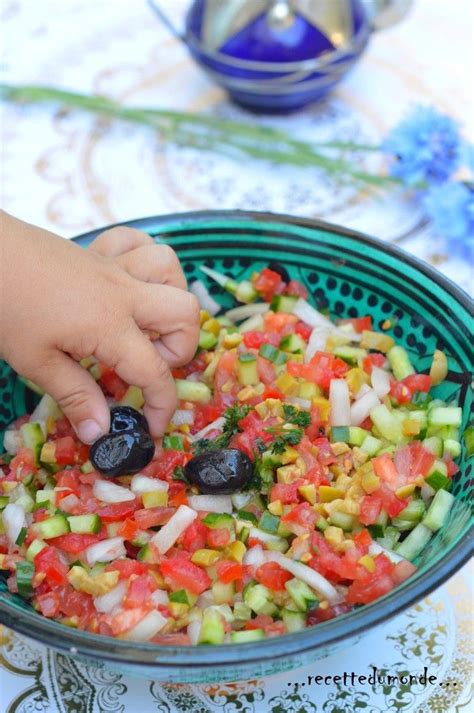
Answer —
305 469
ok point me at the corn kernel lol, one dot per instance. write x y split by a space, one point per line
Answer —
203 316
322 605
178 609
275 407
262 409
368 562
155 499
350 507
232 340
355 379
355 492
386 324
340 448
275 507
205 558
212 325
324 408
306 557
410 427
334 535
308 390
327 493
405 490
343 482
235 551
287 384
289 455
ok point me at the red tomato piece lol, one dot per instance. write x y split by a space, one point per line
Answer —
73 543
128 529
112 382
304 330
65 450
452 467
390 502
23 463
220 537
372 360
49 604
325 453
266 371
181 573
127 619
375 585
229 571
260 622
268 283
152 517
273 576
127 567
362 540
68 479
300 519
254 340
117 511
287 493
194 537
384 468
177 494
370 508
297 289
400 392
49 563
279 321
403 570
418 382
421 460
140 588
204 414
360 324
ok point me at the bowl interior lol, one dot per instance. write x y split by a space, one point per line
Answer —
350 275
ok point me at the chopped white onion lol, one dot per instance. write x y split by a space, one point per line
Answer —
361 409
14 521
263 536
69 502
11 441
211 503
252 324
46 408
313 318
194 631
206 599
159 596
105 551
380 381
240 500
307 575
105 603
317 342
216 425
147 628
254 556
109 492
340 402
176 525
427 492
144 484
245 311
207 302
302 403
376 549
364 389
182 417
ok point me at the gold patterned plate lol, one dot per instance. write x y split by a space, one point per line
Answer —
433 638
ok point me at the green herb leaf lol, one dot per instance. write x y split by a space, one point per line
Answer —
179 474
296 416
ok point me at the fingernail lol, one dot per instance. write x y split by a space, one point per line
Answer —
89 431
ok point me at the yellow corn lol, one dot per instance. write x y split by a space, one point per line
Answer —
155 499
178 609
350 507
232 340
48 454
203 316
235 551
376 340
334 535
288 473
340 448
405 490
212 325
275 508
324 408
327 493
410 427
289 456
368 562
205 558
287 384
308 492
306 557
308 390
355 378
370 482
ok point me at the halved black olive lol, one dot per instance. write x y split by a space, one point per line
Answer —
280 269
126 418
122 453
223 471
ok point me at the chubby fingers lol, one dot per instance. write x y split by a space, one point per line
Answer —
173 313
120 240
154 263
136 361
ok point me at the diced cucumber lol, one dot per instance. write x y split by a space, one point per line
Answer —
183 596
445 416
469 440
35 547
86 467
451 448
133 397
420 399
293 343
247 369
283 303
371 445
85 524
268 351
219 519
387 424
400 362
52 527
390 538
293 620
223 593
303 597
414 511
438 510
403 525
343 520
269 522
272 542
376 530
242 612
21 536
382 518
259 599
245 292
434 445
45 497
24 578
173 442
33 438
439 466
212 627
438 481
207 340
247 516
351 355
415 542
244 637
4 500
357 435
192 391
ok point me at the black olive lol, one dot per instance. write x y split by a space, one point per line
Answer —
223 471
280 269
126 418
122 453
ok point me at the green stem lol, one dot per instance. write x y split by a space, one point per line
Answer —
210 133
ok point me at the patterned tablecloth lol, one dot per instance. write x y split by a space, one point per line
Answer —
70 173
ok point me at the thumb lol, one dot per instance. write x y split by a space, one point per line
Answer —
78 395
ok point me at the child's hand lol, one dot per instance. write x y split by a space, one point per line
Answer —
60 303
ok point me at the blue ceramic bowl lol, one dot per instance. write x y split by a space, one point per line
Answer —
353 275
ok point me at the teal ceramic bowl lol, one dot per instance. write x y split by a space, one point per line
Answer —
353 275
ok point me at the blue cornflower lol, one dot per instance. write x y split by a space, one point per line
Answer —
450 207
425 147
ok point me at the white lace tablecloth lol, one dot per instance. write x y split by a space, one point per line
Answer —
70 173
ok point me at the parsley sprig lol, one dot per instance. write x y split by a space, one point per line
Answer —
232 416
296 416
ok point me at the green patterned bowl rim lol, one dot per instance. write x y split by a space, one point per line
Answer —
323 636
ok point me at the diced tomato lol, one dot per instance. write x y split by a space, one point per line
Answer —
128 529
418 382
372 360
181 573
48 604
194 537
362 540
375 585
300 519
127 619
204 414
197 364
73 543
260 622
117 511
390 502
276 628
126 567
421 460
177 494
268 283
279 321
304 330
65 451
370 508
164 466
384 468
452 467
140 589
271 575
271 393
317 616
321 370
217 538
254 340
23 463
403 570
152 517
325 452
68 479
297 289
360 324
229 571
112 382
48 562
287 493
266 371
